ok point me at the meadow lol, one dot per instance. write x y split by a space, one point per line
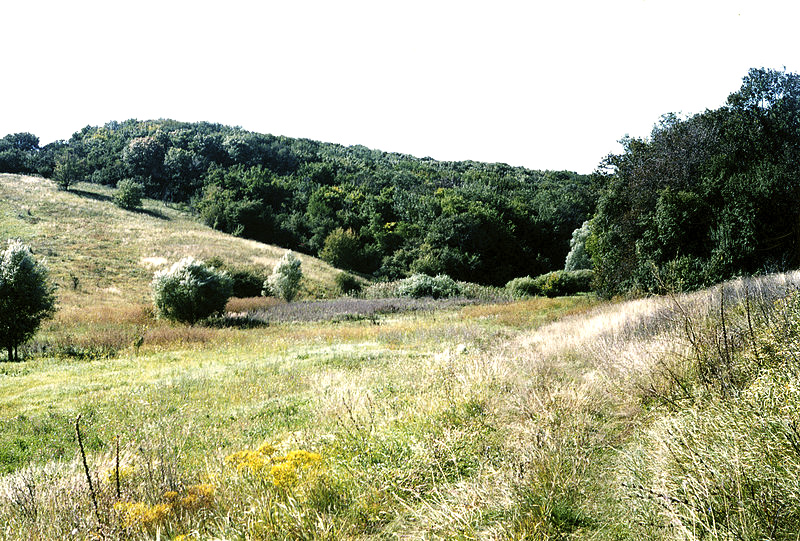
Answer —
569 418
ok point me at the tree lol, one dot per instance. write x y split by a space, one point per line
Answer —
26 296
190 291
68 170
578 258
284 281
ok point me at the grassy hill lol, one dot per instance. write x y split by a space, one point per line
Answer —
113 252
569 418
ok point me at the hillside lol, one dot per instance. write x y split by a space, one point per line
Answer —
112 253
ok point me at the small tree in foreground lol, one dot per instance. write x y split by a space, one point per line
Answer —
190 291
284 281
26 296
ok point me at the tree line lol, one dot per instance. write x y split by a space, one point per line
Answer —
704 198
384 214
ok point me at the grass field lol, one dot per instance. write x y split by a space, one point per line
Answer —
566 418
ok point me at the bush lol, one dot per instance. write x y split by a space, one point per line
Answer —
190 291
523 287
26 297
552 284
284 281
347 284
422 285
246 281
342 249
129 194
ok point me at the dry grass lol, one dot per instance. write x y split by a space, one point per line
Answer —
98 251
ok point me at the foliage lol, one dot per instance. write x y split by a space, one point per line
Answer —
343 249
422 285
705 198
524 286
552 284
26 296
578 258
18 152
68 169
347 284
284 282
369 211
129 194
190 291
246 280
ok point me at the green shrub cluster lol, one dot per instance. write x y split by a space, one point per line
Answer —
190 291
26 296
422 285
347 284
246 280
129 194
552 284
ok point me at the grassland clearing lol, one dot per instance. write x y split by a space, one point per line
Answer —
566 418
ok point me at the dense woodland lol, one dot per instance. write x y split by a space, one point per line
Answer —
704 198
364 210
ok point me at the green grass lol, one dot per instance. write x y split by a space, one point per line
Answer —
539 419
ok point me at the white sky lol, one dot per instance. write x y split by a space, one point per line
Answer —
543 84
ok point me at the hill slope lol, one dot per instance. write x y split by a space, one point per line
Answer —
111 252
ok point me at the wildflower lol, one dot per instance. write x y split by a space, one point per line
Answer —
125 473
284 475
139 514
252 461
267 449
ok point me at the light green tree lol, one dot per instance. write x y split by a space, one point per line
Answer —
284 281
26 296
190 291
578 258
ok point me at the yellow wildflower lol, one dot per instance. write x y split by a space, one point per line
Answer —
267 449
284 475
247 460
134 514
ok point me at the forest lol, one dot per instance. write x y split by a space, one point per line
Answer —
704 198
363 210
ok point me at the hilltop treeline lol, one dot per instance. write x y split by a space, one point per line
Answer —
369 211
705 198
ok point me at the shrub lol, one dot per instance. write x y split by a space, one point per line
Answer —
347 284
246 281
284 281
26 297
422 285
129 194
342 249
190 291
552 284
523 287
577 281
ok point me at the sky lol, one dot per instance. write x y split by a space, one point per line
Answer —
541 84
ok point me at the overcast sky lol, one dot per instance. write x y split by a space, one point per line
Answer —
542 84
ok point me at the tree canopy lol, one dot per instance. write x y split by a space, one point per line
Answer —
369 211
707 197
